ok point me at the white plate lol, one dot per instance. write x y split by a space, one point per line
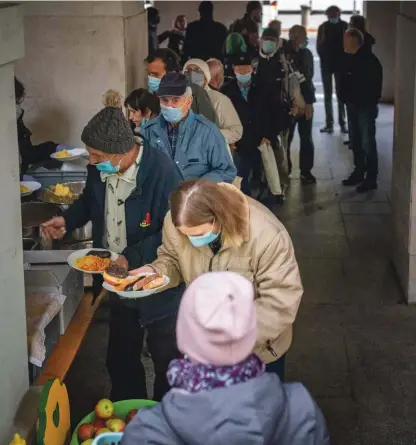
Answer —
136 293
80 253
31 185
75 153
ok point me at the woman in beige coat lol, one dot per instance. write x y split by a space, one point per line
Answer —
215 227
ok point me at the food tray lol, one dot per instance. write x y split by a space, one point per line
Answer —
53 177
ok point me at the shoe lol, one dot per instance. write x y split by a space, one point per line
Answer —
353 179
346 142
327 129
367 186
280 199
307 178
344 129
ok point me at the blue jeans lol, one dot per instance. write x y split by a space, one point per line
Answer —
362 121
277 367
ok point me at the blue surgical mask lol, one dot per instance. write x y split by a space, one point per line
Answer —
333 20
243 78
170 114
107 167
197 78
268 46
204 240
153 83
304 44
144 122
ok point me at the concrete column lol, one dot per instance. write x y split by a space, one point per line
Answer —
75 51
404 155
382 17
13 344
305 15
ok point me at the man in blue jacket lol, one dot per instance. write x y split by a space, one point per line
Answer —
196 145
126 198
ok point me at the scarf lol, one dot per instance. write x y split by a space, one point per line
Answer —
193 378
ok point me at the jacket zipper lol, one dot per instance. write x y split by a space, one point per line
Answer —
270 349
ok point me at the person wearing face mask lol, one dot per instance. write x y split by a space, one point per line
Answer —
142 106
215 227
126 199
301 59
329 45
216 69
163 61
227 118
195 144
242 92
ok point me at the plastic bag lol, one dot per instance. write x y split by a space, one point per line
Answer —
270 168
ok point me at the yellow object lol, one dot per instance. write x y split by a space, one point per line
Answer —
63 154
62 191
17 440
54 414
24 189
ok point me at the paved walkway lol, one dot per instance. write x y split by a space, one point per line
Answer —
354 345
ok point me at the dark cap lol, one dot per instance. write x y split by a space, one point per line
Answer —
241 59
172 84
271 33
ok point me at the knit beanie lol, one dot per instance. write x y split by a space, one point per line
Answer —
202 65
270 33
109 131
217 319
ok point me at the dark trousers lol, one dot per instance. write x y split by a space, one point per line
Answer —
363 140
245 164
277 367
327 84
124 350
307 149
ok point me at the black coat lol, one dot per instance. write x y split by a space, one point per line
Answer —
246 110
361 79
175 43
330 44
204 39
145 210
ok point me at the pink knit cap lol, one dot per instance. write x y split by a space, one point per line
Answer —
217 319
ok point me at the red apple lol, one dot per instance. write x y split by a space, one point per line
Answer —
98 423
85 431
104 409
102 431
131 415
115 425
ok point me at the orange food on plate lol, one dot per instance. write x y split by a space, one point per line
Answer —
92 263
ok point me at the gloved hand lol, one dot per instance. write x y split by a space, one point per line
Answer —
28 178
62 147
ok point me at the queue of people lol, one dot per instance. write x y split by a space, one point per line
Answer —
162 193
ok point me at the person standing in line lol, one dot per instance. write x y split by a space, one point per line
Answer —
214 227
329 45
277 25
176 35
216 69
141 105
205 37
360 87
153 19
301 59
235 44
359 22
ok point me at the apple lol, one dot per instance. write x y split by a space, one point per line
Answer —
98 423
102 431
86 431
131 414
88 442
115 425
104 409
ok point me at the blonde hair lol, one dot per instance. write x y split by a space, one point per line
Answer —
200 201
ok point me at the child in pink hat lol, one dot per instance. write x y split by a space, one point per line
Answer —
220 392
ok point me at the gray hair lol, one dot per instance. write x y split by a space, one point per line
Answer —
356 34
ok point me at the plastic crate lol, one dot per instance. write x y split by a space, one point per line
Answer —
48 178
108 439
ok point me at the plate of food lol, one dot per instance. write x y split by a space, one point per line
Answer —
28 187
69 155
118 280
91 260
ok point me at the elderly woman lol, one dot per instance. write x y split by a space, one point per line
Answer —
228 121
215 227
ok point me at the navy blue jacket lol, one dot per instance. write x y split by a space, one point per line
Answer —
145 210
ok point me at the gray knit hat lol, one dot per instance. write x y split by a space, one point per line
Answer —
109 130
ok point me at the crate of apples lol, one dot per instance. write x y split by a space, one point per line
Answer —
108 417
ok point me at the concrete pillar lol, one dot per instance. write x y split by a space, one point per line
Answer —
382 18
305 15
404 154
13 344
75 51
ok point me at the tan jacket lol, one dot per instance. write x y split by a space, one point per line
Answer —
266 257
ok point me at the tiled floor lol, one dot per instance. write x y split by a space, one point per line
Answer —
354 345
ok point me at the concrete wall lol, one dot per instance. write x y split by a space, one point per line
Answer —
13 344
382 18
75 51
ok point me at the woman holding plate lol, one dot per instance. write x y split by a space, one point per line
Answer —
126 198
215 227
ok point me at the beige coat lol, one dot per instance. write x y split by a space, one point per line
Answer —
266 257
